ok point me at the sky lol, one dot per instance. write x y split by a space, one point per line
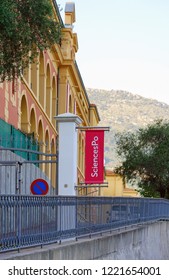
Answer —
124 45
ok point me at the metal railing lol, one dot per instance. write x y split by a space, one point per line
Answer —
37 220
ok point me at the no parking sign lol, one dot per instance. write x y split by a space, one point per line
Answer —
39 187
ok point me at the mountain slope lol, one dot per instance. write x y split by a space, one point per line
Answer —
124 111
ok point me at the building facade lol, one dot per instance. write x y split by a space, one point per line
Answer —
117 186
51 86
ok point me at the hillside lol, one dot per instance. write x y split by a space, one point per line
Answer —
124 111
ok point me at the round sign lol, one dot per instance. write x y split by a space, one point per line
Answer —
39 187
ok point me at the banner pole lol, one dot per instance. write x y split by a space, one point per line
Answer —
105 128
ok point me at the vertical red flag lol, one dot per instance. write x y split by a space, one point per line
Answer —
94 157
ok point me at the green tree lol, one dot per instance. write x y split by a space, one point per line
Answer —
144 159
26 26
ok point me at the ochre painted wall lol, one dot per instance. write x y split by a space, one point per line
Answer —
116 186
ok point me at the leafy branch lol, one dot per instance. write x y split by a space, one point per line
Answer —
26 26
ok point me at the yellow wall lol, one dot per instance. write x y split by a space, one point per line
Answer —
116 186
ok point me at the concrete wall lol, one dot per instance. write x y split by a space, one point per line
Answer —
9 176
148 241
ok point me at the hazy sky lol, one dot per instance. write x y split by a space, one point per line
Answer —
124 45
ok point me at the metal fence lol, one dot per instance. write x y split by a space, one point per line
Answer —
38 220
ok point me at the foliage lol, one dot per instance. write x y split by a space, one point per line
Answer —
145 158
26 26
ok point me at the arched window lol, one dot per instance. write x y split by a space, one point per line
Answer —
41 79
24 115
70 104
48 92
40 132
54 100
41 143
34 78
47 151
33 127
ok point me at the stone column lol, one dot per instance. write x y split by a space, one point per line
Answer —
68 144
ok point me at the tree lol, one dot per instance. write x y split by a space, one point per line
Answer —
26 26
145 159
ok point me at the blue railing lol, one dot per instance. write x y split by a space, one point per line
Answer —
37 220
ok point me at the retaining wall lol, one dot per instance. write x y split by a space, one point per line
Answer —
148 241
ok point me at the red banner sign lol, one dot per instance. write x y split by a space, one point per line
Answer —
94 157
